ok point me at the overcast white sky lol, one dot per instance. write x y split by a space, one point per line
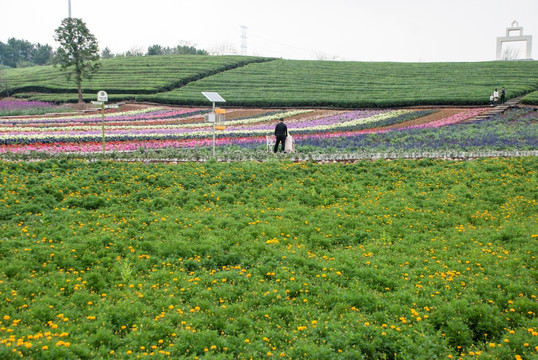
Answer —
362 30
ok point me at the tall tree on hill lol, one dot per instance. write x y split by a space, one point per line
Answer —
16 52
107 53
78 54
43 54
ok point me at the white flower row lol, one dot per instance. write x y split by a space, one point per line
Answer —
96 116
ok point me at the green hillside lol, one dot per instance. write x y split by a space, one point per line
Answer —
252 81
123 78
353 84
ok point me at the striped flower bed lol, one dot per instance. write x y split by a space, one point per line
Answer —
159 127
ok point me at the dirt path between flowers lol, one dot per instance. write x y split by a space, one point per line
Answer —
438 115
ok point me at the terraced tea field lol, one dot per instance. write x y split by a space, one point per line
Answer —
266 82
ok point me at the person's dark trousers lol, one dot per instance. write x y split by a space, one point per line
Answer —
280 139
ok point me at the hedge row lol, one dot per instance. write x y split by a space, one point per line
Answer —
531 99
72 97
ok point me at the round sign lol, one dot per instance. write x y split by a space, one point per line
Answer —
102 96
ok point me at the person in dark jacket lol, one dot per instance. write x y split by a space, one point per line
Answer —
281 132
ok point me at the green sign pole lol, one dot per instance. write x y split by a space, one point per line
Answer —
102 97
214 119
103 117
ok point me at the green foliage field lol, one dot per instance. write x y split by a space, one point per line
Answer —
251 81
424 259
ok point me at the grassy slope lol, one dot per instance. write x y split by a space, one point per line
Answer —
289 82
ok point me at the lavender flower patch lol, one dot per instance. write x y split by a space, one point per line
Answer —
513 130
17 107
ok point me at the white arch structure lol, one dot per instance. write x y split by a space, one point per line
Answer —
512 38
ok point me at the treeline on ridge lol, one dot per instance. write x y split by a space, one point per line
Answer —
17 53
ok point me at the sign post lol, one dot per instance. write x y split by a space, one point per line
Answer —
102 97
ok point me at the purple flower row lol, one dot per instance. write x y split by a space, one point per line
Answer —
11 105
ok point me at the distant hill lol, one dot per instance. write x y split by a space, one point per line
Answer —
256 81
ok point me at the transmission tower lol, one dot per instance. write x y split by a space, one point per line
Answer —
243 40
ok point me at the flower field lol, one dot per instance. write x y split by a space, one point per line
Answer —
278 258
177 131
403 259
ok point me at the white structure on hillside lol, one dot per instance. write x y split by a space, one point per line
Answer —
244 40
510 37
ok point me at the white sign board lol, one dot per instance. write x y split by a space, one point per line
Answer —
102 96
